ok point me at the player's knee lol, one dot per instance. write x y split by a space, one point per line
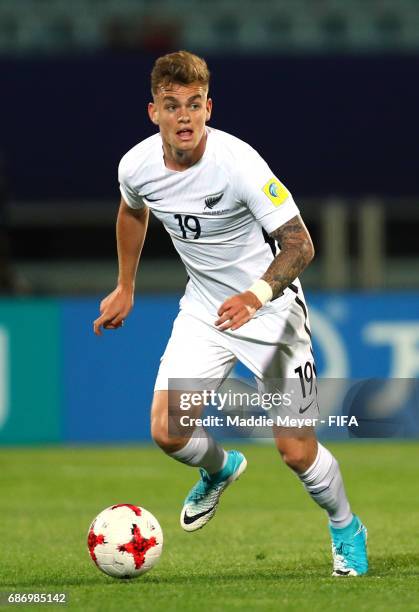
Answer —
161 436
298 458
159 423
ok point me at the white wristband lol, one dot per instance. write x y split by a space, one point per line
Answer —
262 291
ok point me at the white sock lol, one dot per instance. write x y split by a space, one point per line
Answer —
201 450
323 481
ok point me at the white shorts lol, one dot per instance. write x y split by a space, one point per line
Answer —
275 345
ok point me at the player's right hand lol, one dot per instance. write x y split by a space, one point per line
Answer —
114 308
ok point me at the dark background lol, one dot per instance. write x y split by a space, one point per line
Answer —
326 124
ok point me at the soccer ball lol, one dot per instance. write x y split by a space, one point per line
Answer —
125 541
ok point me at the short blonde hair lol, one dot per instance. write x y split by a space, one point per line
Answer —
182 68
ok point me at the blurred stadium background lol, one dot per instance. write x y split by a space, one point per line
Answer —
326 90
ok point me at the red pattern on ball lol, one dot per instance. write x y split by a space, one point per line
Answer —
138 546
92 541
135 509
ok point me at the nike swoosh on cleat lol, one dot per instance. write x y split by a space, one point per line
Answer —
188 520
302 410
341 572
360 529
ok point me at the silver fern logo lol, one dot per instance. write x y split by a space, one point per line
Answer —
212 200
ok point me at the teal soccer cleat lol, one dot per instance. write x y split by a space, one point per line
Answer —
201 503
349 549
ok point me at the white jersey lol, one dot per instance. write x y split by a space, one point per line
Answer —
214 212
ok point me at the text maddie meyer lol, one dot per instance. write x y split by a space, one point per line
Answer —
264 421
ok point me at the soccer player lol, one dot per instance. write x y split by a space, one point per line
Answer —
224 210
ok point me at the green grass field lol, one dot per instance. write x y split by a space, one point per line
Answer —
266 549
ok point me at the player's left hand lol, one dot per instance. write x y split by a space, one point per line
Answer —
237 310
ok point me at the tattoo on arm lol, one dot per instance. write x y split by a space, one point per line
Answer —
296 253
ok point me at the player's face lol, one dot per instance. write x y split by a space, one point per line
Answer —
181 112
